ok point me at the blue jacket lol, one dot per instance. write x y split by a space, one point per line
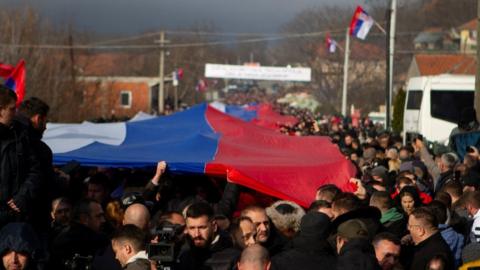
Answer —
454 240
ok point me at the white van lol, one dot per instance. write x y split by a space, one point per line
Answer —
434 103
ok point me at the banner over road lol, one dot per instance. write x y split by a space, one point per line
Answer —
258 73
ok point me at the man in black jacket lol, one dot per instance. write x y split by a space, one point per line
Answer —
82 237
19 168
428 241
354 248
207 247
309 249
393 221
32 118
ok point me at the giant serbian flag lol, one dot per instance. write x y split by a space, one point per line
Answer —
204 140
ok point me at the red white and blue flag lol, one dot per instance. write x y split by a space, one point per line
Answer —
361 23
331 44
14 78
203 140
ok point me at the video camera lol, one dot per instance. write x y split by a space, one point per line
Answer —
163 252
79 262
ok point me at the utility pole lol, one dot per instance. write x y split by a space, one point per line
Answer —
477 74
161 96
392 14
345 72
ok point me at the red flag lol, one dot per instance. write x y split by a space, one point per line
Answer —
202 85
15 79
5 70
179 73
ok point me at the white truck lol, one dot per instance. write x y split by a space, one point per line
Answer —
434 103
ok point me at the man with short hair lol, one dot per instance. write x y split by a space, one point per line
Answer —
455 190
387 250
83 236
267 235
98 189
453 239
472 204
20 177
442 173
353 247
254 257
423 227
393 221
32 118
60 216
327 192
344 203
207 247
128 244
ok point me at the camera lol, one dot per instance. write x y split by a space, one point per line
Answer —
79 262
164 251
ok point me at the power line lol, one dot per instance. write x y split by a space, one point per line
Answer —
101 44
178 45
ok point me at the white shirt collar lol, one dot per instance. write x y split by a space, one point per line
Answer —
140 255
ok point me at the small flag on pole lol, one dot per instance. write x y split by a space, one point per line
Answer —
361 23
331 44
15 78
202 85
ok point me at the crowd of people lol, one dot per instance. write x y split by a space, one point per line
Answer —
411 209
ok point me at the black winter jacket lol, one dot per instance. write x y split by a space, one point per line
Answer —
305 254
219 256
76 239
309 249
48 189
357 254
427 249
20 176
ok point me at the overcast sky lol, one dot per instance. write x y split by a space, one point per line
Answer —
134 16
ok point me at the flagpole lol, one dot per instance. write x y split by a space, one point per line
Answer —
161 98
345 72
391 49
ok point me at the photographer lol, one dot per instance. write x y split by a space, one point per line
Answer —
129 246
164 248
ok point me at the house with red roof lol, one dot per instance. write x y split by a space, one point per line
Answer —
436 64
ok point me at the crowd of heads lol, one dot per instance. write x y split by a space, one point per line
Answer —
411 209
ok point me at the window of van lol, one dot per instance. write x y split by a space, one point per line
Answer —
447 105
414 99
